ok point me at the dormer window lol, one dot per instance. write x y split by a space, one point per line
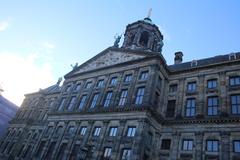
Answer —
144 39
232 56
194 63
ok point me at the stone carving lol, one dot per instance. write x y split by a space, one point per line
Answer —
117 40
74 66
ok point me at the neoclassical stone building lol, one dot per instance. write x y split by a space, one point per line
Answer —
126 103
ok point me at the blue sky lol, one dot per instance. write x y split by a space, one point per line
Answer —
39 40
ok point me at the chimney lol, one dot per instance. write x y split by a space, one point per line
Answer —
178 57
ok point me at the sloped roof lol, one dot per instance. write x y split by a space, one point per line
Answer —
7 112
203 62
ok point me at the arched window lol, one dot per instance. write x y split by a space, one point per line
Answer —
144 39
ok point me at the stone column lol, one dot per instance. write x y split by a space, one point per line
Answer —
225 145
174 146
198 145
201 100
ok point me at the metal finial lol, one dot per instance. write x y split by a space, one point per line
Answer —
149 13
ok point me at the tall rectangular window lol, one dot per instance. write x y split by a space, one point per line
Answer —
94 100
166 144
139 96
107 99
212 106
171 108
212 83
61 151
126 154
75 151
113 81
71 129
212 145
83 130
77 87
190 107
59 130
72 103
236 146
82 102
88 85
113 131
96 131
128 78
50 150
40 149
191 87
187 145
123 97
173 88
131 131
107 152
100 83
143 75
234 81
60 108
235 104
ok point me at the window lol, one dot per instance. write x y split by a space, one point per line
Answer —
166 144
68 88
61 150
190 107
50 150
60 108
191 87
235 104
49 130
144 39
82 102
40 149
108 99
143 75
83 131
131 131
187 145
88 85
94 100
74 152
126 154
71 130
212 84
173 88
113 81
236 146
77 87
123 97
234 81
139 96
212 145
113 131
59 130
72 103
97 131
107 152
128 78
171 108
100 83
212 106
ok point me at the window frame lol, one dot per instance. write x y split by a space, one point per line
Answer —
107 99
212 84
212 147
192 107
212 106
234 146
131 131
113 131
144 75
97 131
189 144
123 97
94 100
128 78
234 81
140 95
235 105
192 86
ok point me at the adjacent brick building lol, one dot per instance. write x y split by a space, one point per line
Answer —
127 104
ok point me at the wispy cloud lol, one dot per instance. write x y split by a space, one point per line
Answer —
3 25
48 45
23 74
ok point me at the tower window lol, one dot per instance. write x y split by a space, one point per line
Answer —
144 39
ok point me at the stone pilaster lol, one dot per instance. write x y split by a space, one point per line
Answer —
199 146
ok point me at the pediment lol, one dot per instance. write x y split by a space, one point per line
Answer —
108 58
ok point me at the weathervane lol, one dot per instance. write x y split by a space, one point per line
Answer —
149 13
